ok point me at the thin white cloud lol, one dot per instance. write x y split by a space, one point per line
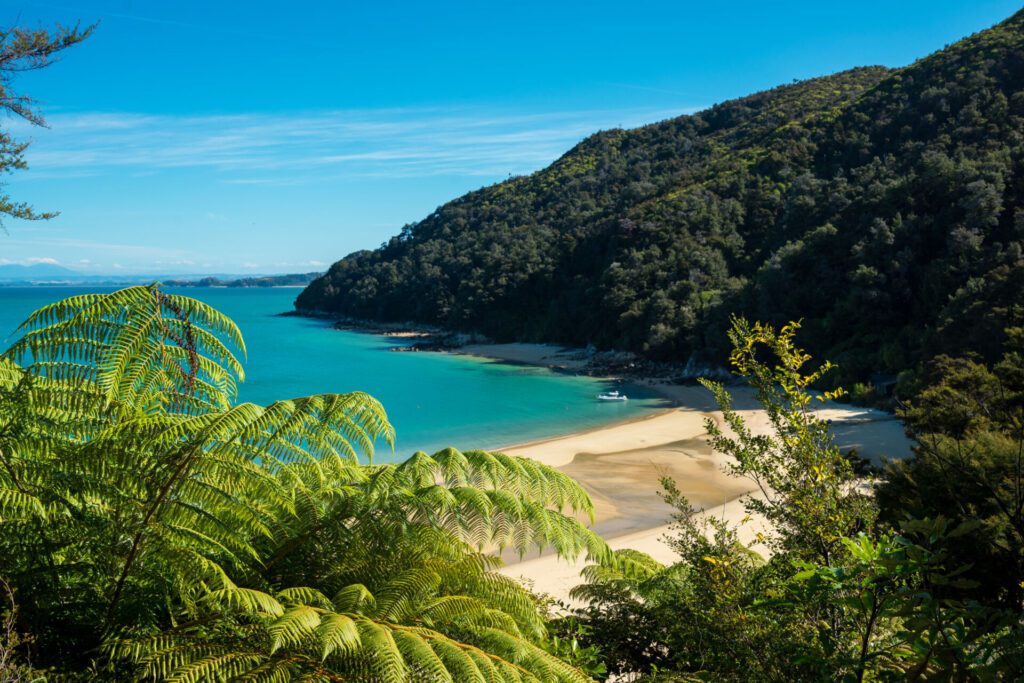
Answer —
294 148
132 251
30 261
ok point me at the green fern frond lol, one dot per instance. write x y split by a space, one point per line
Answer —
17 505
135 344
293 626
10 373
246 600
355 598
222 528
492 499
337 633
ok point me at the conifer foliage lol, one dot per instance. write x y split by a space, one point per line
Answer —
23 50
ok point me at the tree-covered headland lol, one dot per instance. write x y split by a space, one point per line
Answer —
883 207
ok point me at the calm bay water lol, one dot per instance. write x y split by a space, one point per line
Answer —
433 399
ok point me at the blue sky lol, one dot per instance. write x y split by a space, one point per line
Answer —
263 137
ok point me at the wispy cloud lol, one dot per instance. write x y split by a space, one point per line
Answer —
30 261
70 244
292 148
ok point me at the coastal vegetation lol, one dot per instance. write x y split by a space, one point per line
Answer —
883 207
912 572
152 527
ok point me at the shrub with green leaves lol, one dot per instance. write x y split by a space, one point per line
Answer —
840 598
968 422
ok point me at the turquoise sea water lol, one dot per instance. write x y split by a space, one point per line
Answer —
433 399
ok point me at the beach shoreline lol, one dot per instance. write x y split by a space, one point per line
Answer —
609 364
621 464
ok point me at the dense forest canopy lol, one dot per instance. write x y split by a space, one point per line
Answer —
881 206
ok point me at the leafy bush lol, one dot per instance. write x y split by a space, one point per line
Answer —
840 597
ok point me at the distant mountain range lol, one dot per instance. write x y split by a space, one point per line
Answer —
17 271
884 207
50 274
292 280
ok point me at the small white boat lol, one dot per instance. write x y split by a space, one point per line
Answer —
612 396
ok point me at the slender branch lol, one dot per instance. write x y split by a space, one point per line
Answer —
137 540
866 638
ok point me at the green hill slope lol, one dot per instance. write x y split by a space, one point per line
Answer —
881 206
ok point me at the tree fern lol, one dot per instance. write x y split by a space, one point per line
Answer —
203 539
138 345
314 641
625 572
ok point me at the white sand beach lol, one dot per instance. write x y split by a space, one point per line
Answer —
620 465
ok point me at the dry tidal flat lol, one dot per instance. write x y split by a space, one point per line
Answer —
621 465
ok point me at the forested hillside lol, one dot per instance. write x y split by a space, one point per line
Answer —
881 206
289 280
